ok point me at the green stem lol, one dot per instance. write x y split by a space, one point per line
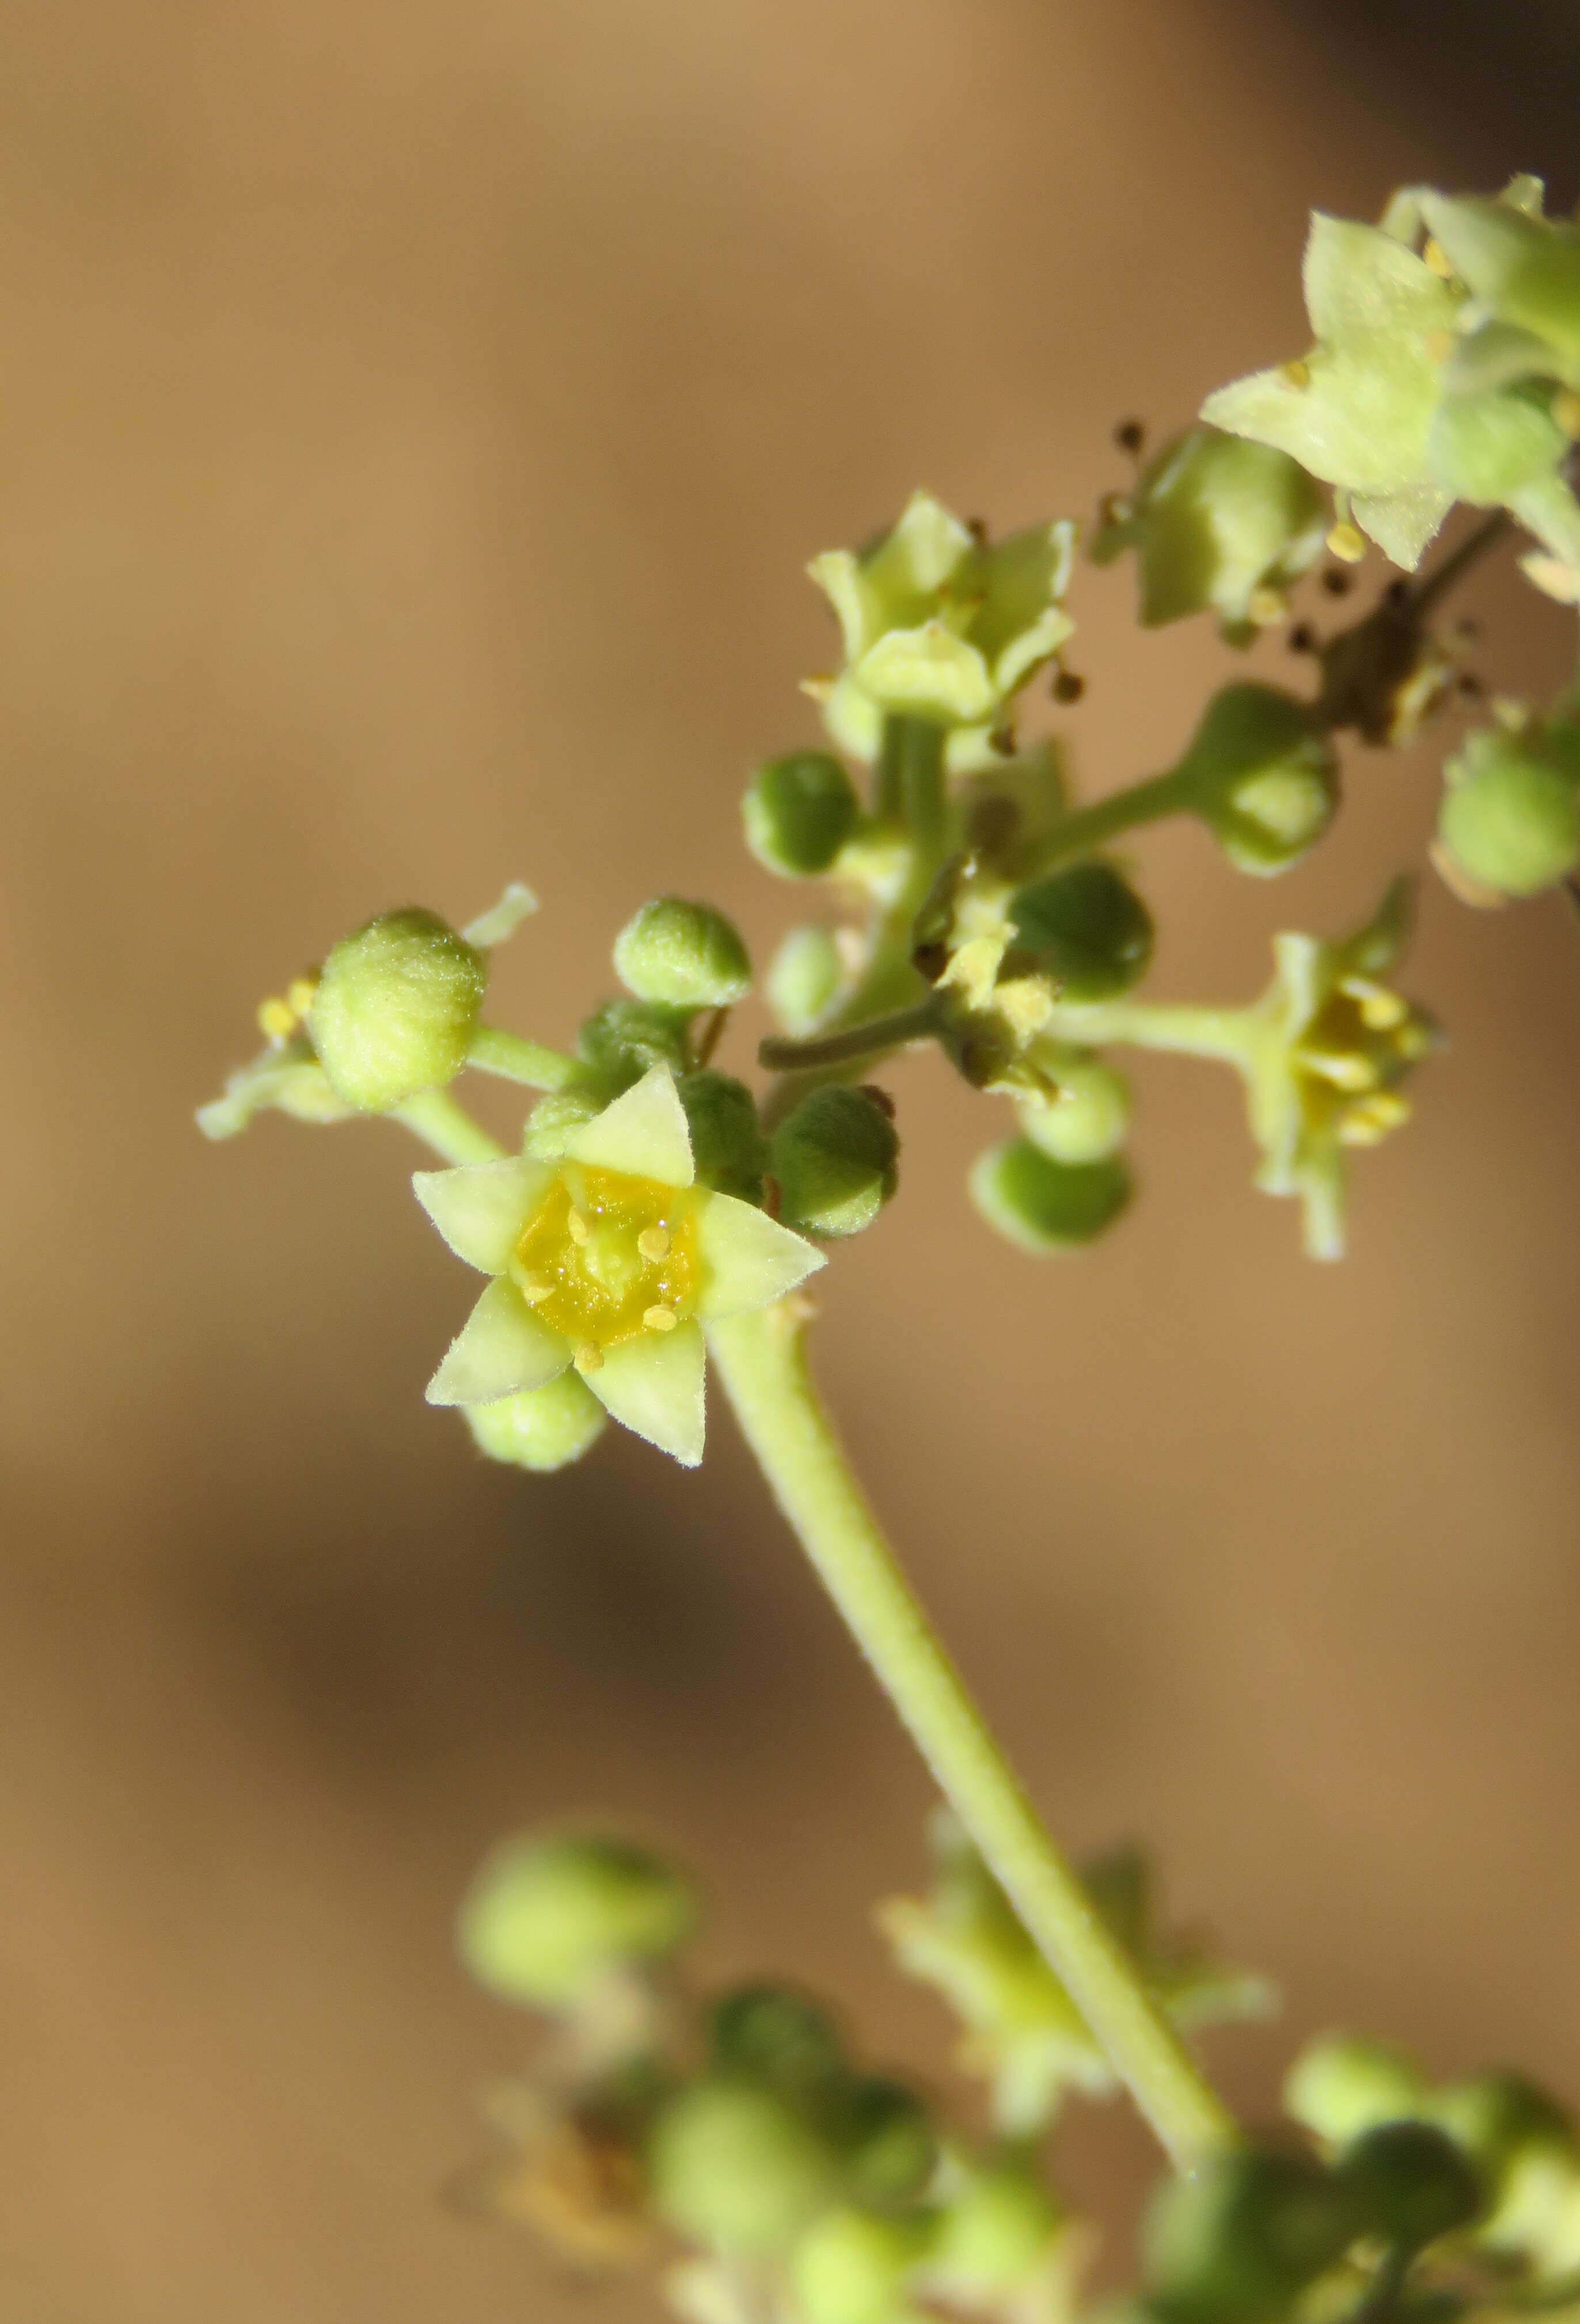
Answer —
447 1128
762 1361
515 1059
916 1023
1088 828
1223 1034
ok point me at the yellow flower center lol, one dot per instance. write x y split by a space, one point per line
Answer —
605 1256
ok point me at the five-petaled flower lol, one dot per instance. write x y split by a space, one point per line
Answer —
611 1258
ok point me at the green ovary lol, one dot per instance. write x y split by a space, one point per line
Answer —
606 1257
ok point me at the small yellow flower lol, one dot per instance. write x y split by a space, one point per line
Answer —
611 1258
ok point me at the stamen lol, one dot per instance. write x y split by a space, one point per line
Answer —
588 1358
1347 543
534 1288
576 1226
276 1019
301 993
1297 374
1437 258
653 1243
660 1318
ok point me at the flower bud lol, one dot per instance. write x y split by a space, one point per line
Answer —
777 2035
1412 2183
993 2233
1510 813
1245 2235
726 1138
1043 1205
549 1918
539 1428
1087 1118
1087 928
1495 2116
621 1040
554 1121
395 1009
851 2267
805 978
1216 521
798 811
1339 2088
682 955
835 1159
892 2148
736 2166
1262 777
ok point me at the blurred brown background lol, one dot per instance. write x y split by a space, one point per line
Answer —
416 419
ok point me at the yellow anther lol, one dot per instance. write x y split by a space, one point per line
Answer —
277 1018
660 1318
1296 373
301 993
1566 413
1370 1121
1380 1011
1437 345
533 1289
653 1243
588 1358
1347 542
1437 258
576 1226
1266 606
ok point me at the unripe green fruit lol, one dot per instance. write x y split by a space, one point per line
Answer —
1088 928
1044 1205
892 2147
994 2233
851 2267
777 2035
549 1918
1245 2235
728 1143
624 1039
395 1009
804 978
1340 2087
737 2167
682 955
798 811
1412 2183
1510 813
1261 777
835 1161
543 1428
1087 1119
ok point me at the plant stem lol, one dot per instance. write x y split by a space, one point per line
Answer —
855 1043
762 1361
1223 1034
515 1059
1087 827
447 1128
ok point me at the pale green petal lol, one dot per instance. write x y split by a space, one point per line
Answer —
653 1385
751 1260
928 672
642 1133
501 1350
1402 522
480 1209
1359 280
837 575
921 552
1549 509
501 920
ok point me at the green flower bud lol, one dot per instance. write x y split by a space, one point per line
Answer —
1511 815
1412 2183
993 2233
683 955
1044 1205
550 1917
1339 2088
555 1120
851 2267
737 2167
835 1159
1495 2117
1087 928
1484 447
778 2036
1087 1119
805 978
726 1138
1245 2235
395 1007
798 811
539 1428
1261 777
1216 521
621 1040
892 2146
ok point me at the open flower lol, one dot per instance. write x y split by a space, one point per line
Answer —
1328 1045
611 1258
940 625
